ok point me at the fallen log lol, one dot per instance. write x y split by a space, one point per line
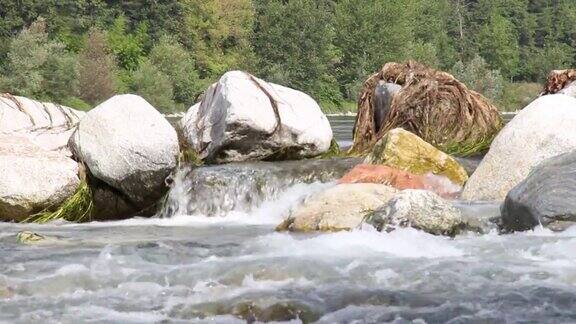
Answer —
431 104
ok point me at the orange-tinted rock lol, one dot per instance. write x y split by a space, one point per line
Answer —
399 179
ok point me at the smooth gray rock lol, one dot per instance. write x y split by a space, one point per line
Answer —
547 197
243 118
420 209
383 94
32 179
127 144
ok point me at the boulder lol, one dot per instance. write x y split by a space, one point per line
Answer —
342 207
542 130
128 145
419 209
403 150
243 118
546 197
399 179
32 179
45 124
569 90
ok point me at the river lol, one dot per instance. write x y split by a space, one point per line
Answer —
234 268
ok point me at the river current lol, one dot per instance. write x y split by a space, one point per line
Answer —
185 266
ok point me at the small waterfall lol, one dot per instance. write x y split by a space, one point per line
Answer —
217 190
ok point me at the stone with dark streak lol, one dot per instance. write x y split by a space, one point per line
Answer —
242 118
128 146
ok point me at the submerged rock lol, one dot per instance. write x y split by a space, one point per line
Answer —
129 146
32 179
243 118
368 173
419 209
542 130
44 124
546 197
403 150
339 208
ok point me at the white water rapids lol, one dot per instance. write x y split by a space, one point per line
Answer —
234 268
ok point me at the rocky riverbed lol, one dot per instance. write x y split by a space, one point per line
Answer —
246 210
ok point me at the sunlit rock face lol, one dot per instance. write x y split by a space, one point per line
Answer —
243 118
32 179
45 124
542 130
129 146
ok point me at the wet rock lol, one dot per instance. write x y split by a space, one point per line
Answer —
368 173
128 145
546 197
482 215
218 189
243 118
542 130
419 209
32 179
403 150
342 207
44 124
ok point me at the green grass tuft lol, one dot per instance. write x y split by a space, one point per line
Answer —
77 208
190 156
333 151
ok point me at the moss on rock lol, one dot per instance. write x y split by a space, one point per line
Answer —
403 150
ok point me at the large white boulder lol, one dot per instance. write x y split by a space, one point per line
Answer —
244 118
45 124
544 129
32 179
130 146
339 208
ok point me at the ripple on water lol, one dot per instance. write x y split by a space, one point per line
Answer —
218 270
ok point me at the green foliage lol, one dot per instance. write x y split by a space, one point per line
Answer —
127 47
218 33
518 95
39 67
77 208
327 48
154 86
97 76
477 75
293 44
172 59
499 46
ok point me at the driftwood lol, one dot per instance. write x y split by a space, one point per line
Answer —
558 80
431 104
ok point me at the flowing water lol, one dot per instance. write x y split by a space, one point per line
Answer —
186 266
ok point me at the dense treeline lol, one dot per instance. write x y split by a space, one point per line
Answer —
79 52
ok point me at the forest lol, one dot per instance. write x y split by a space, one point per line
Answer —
80 52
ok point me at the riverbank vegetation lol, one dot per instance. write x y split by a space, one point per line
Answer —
79 53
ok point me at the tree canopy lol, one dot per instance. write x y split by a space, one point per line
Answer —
169 50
